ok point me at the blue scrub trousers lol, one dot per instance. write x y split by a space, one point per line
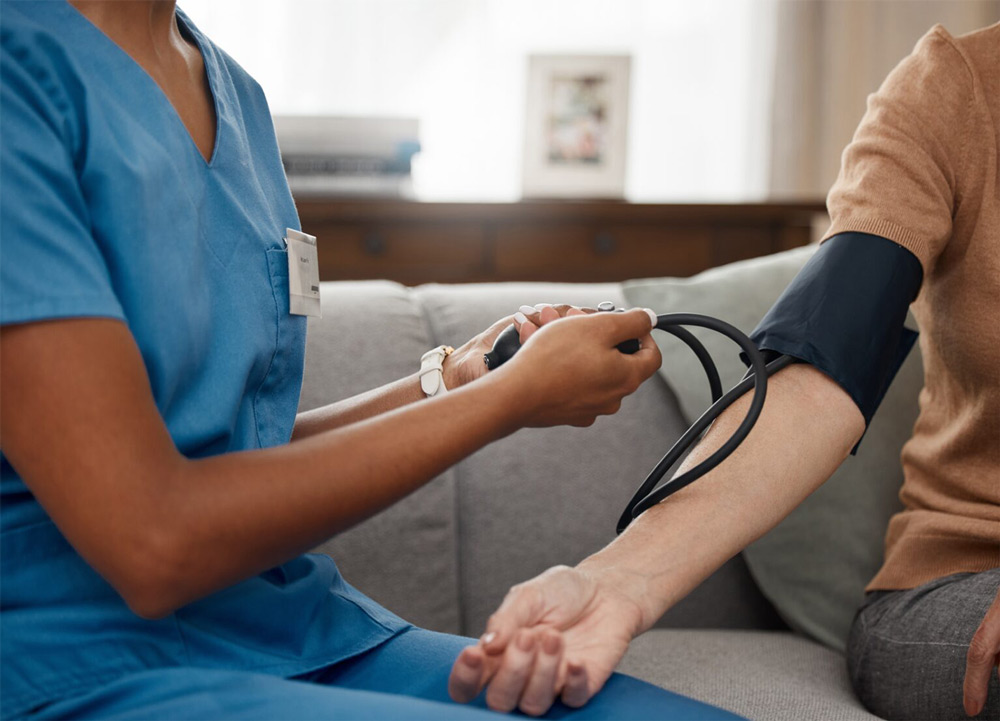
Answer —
405 677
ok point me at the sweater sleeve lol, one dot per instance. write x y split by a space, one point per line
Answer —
901 175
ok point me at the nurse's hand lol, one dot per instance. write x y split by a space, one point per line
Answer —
569 371
466 363
557 636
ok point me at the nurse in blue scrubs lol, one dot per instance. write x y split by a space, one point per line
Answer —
158 489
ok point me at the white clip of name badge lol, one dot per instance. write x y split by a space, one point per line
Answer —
303 274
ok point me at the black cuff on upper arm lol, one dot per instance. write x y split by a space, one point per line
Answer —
844 312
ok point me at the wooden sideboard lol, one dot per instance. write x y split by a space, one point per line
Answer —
417 242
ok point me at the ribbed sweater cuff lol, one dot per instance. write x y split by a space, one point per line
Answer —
875 226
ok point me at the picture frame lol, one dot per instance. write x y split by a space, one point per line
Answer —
576 129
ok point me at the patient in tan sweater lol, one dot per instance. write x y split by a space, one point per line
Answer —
921 174
923 171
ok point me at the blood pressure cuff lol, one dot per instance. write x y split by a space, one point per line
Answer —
843 313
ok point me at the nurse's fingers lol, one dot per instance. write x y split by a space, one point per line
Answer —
505 689
535 317
526 329
542 687
547 314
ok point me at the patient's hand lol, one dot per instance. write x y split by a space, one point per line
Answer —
559 635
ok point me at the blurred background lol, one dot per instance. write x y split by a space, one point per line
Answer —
730 99
732 102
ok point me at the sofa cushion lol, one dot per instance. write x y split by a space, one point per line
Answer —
771 676
815 564
372 333
552 496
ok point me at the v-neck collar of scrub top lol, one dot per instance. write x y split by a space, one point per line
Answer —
209 61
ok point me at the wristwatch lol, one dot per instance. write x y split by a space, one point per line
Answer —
432 370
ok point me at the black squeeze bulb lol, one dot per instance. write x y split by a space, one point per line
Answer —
509 342
504 347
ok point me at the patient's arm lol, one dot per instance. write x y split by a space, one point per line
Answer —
589 613
807 429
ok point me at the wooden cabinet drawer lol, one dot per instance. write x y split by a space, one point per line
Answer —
411 253
578 252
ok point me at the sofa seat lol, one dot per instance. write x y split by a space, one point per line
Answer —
766 675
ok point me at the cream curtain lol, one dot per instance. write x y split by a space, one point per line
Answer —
830 55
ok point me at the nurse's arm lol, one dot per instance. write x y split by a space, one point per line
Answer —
461 367
82 429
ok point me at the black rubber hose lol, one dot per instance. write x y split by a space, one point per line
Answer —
640 504
645 496
714 382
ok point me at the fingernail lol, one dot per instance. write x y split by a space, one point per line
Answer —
488 638
527 309
550 644
526 641
652 316
520 318
539 306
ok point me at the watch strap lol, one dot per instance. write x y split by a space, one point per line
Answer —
432 370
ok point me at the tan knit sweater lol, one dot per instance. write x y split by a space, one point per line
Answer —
923 171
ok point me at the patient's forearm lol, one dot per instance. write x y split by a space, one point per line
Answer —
807 428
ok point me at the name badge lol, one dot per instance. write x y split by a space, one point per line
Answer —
303 273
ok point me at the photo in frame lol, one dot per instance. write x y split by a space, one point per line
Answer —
576 130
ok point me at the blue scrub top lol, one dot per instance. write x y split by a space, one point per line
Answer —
109 210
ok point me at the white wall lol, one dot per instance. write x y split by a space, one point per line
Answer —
700 80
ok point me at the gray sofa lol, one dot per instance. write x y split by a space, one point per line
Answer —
444 557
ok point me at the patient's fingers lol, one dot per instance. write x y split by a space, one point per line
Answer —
469 674
542 686
507 685
575 692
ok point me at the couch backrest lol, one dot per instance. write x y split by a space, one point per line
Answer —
444 557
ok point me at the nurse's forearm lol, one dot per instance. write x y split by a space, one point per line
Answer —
256 509
358 408
460 368
807 428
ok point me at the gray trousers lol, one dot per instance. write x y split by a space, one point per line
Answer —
906 651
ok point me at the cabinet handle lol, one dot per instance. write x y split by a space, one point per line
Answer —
373 243
604 243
